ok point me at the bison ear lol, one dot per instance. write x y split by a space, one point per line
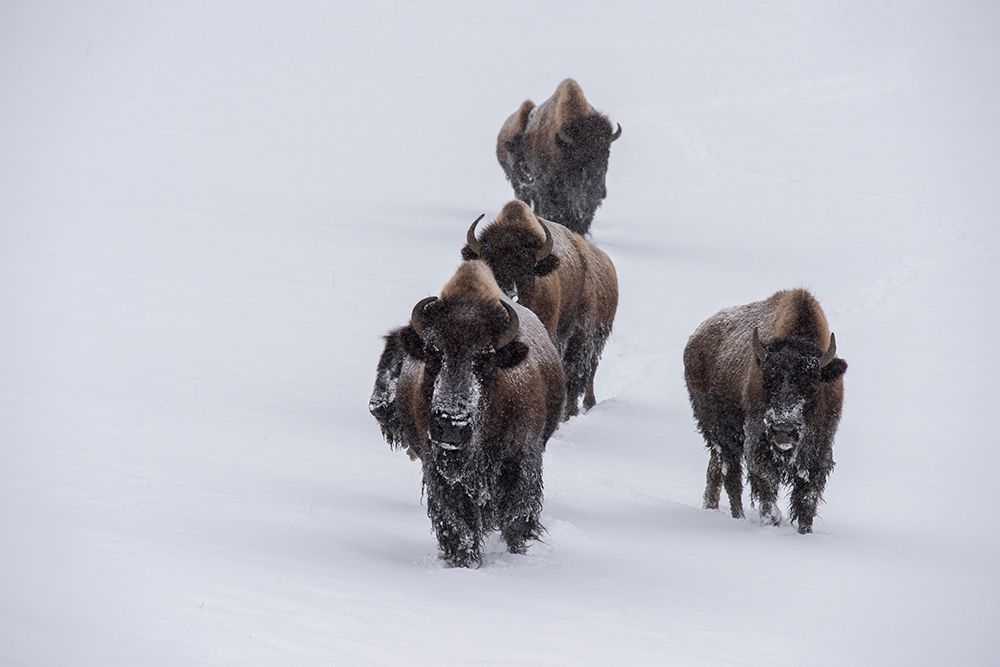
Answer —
547 265
833 370
511 354
412 344
468 254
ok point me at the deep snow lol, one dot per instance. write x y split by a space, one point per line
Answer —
211 212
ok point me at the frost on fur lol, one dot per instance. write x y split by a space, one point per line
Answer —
486 396
767 390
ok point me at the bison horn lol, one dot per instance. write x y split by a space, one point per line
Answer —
470 236
758 349
510 333
616 134
563 137
417 316
830 353
546 248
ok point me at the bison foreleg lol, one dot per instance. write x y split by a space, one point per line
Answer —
765 476
457 522
807 491
521 485
764 490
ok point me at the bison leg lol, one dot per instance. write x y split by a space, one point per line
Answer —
725 466
459 542
590 400
765 476
713 480
807 490
521 503
732 469
575 365
457 521
764 489
722 426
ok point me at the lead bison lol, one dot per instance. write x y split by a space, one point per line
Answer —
556 155
766 385
478 396
569 283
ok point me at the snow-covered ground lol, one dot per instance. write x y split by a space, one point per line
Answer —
210 212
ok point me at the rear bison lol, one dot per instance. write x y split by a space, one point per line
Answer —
478 405
556 156
766 385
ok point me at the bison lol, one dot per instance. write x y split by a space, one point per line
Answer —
766 385
478 396
556 155
568 282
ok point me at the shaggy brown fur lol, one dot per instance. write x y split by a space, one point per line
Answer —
574 291
478 415
744 406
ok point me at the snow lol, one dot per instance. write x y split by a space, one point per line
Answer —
210 213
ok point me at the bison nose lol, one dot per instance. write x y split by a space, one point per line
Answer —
449 431
784 435
379 409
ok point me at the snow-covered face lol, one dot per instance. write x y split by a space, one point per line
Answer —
516 256
458 375
511 257
461 360
791 389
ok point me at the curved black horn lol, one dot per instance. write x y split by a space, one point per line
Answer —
616 134
470 236
758 349
546 248
510 333
417 316
830 353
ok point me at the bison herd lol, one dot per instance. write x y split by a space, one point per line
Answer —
482 375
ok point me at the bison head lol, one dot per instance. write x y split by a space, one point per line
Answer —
515 256
793 370
462 344
382 403
571 192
